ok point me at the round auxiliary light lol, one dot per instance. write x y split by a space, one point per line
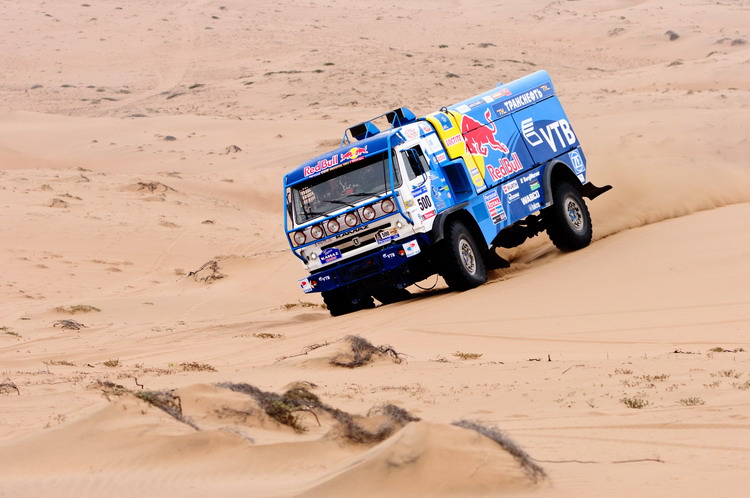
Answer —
299 238
333 226
368 213
350 219
387 206
316 231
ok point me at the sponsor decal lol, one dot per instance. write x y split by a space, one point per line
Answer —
410 133
576 161
556 132
534 206
523 99
409 203
425 127
529 177
481 138
445 122
502 93
305 284
417 191
324 278
474 172
582 178
494 207
476 103
329 255
513 197
530 197
426 216
451 141
510 187
463 108
411 248
534 185
505 168
353 154
440 157
322 165
385 236
488 99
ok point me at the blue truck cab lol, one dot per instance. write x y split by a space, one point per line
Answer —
438 194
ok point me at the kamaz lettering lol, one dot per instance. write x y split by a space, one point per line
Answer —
437 194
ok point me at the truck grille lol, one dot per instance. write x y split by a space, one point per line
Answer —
358 270
364 238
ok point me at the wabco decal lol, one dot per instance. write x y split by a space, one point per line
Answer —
506 167
478 137
557 129
531 197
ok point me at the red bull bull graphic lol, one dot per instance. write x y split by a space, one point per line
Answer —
353 154
481 138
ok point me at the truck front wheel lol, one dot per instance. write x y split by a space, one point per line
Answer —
462 264
567 220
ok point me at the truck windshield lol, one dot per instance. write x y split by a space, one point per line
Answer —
344 186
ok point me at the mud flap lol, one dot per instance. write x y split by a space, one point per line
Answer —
591 191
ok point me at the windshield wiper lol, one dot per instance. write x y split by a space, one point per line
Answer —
365 194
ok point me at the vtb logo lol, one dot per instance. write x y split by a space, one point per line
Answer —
554 133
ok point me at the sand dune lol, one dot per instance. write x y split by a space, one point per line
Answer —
142 147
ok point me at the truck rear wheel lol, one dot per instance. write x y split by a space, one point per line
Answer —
462 263
340 302
567 220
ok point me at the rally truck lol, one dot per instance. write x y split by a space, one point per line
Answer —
437 195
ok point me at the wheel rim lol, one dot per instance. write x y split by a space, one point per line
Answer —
573 214
467 256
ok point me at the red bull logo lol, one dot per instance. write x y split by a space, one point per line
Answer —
353 153
481 138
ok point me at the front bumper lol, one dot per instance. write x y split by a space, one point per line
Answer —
388 259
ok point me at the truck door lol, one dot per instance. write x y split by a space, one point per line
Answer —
418 199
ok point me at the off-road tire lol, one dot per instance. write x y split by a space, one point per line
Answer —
393 295
567 220
461 261
340 302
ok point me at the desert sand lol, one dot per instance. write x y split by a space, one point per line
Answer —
149 305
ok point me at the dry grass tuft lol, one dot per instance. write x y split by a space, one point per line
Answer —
78 308
533 470
363 352
207 273
467 356
284 409
69 325
7 386
194 366
166 401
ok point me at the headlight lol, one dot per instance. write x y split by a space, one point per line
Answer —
350 219
368 213
316 231
387 206
299 238
333 226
